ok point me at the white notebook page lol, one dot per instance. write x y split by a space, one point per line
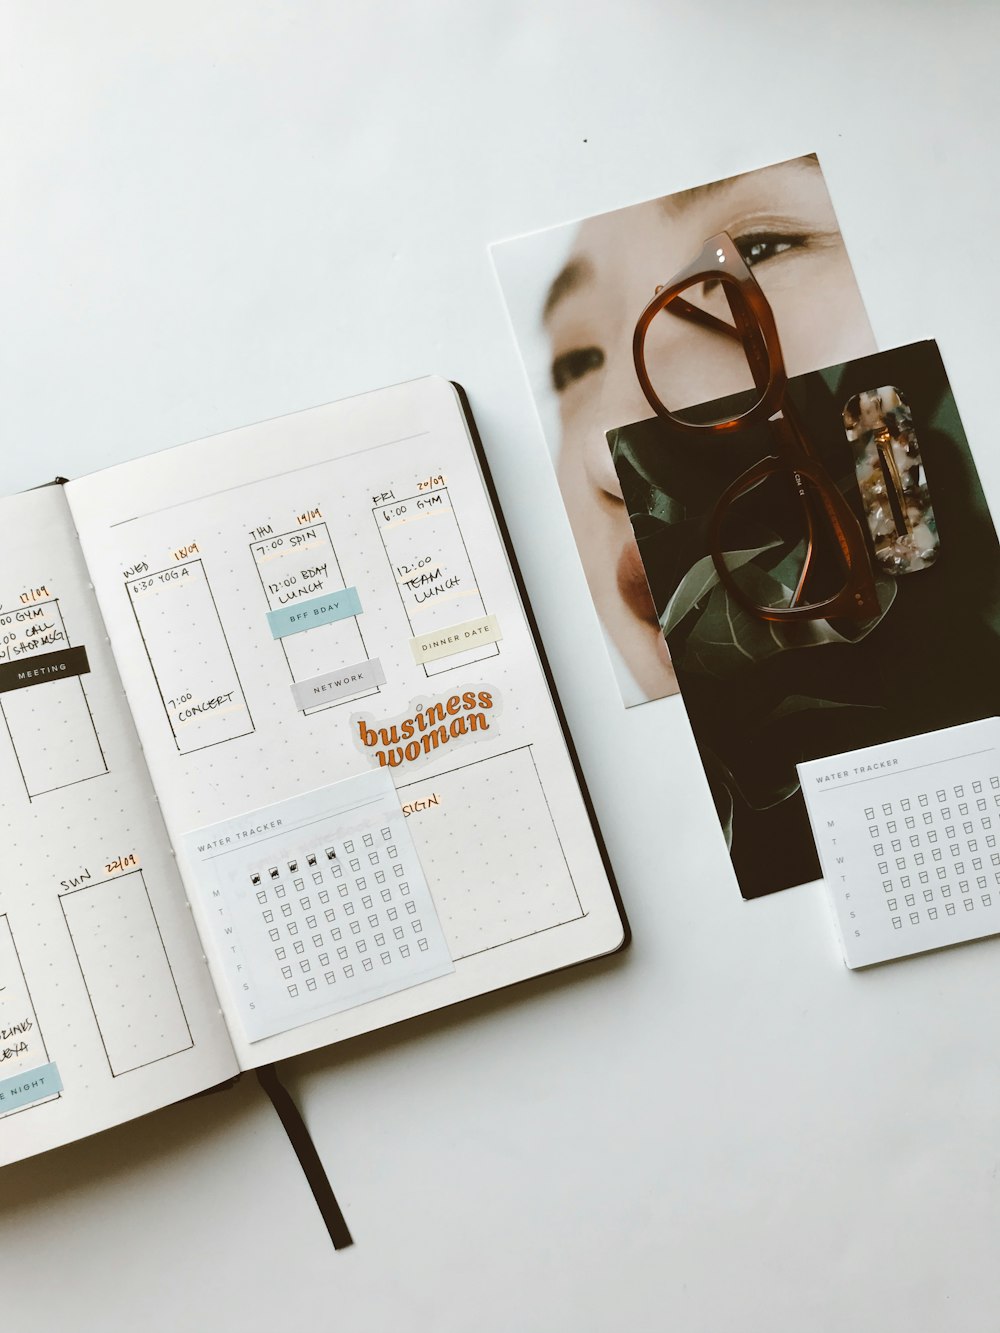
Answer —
107 1009
291 600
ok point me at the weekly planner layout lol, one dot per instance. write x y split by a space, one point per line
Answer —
280 762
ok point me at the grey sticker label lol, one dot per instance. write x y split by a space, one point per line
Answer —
338 684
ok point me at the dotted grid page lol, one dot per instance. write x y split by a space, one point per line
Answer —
323 596
107 1009
907 836
318 903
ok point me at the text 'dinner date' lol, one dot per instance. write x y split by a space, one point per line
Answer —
432 571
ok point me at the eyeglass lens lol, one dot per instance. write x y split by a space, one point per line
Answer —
693 360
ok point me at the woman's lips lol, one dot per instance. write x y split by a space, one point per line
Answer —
633 586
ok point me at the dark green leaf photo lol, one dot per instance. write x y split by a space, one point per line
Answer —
800 627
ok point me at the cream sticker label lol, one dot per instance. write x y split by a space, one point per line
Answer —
455 639
428 726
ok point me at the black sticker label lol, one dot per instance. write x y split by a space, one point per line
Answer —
38 670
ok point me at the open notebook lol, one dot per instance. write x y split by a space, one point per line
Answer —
279 762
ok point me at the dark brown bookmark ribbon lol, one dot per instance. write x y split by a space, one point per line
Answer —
305 1151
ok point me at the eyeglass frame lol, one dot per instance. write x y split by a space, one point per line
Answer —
757 332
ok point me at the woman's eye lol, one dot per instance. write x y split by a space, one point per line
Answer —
572 366
758 247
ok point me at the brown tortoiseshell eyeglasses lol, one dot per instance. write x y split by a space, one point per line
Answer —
785 512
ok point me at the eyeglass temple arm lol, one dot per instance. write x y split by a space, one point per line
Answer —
744 330
800 587
685 310
792 443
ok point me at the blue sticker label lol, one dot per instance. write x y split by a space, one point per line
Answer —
316 611
23 1089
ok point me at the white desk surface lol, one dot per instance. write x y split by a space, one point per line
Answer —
216 212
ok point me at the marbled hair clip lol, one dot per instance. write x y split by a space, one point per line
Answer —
891 479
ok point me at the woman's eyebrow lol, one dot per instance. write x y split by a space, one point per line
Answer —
762 177
571 276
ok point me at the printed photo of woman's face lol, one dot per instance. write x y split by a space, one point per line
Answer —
783 224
